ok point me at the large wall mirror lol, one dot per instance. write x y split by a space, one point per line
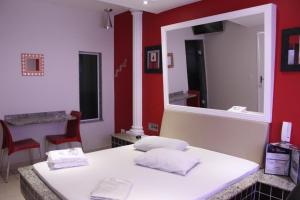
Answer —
222 65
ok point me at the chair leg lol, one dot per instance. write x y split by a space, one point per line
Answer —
46 145
30 156
40 154
81 146
7 169
1 159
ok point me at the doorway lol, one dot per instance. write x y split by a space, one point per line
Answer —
196 69
260 70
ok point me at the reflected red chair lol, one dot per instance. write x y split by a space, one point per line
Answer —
14 146
194 101
72 133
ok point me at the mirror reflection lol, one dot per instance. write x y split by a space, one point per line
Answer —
32 64
218 65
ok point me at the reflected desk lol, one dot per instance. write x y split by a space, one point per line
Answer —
184 98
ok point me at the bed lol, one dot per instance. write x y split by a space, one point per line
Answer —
241 141
215 172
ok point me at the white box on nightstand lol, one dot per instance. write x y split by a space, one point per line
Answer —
277 160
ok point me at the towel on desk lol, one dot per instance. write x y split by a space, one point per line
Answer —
111 189
66 158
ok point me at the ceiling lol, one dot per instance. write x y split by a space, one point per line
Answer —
153 6
91 5
119 6
249 21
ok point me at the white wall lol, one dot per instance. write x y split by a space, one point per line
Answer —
231 64
59 32
176 45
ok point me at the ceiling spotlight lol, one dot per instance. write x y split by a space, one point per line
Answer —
145 2
108 23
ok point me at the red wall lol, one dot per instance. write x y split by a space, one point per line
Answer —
123 83
286 104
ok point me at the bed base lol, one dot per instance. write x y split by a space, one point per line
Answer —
33 188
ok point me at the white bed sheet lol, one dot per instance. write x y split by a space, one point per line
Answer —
215 172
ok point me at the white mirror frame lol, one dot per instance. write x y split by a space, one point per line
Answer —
269 11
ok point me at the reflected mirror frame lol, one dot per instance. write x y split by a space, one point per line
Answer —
269 11
286 34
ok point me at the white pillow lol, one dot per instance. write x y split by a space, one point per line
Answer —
168 160
152 142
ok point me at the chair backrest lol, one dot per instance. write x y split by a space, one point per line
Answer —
73 126
7 138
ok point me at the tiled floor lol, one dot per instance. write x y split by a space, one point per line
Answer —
10 190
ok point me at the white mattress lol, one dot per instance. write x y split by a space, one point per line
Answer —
215 172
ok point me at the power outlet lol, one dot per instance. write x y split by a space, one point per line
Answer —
153 127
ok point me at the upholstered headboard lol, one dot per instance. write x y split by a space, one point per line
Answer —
241 138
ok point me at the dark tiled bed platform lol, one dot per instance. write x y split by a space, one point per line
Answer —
261 191
258 186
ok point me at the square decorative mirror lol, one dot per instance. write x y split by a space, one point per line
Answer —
32 64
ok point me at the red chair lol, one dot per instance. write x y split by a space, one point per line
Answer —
72 133
14 146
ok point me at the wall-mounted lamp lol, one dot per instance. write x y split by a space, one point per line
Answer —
108 23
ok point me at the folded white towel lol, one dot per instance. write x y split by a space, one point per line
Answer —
66 155
111 189
67 164
66 158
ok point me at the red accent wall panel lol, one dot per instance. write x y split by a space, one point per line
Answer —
123 80
286 106
153 106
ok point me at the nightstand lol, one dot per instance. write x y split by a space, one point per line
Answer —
122 139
